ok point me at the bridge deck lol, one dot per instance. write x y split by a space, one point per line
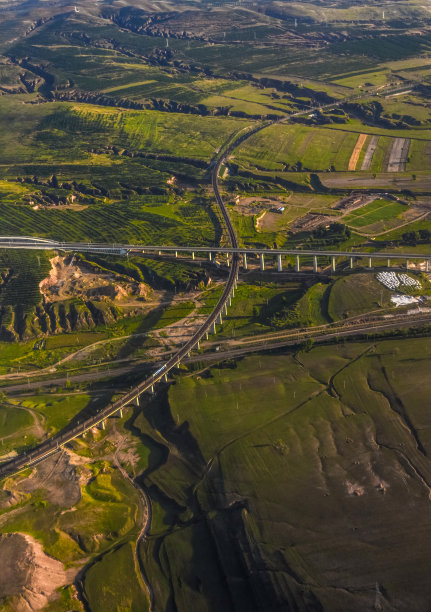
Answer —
122 249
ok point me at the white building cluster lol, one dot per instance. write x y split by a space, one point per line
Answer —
393 281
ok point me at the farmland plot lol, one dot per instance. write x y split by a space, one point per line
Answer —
372 145
298 147
375 217
354 158
398 155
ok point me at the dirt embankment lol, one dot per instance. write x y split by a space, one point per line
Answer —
28 577
76 295
71 277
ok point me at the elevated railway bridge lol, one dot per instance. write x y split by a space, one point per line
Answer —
392 259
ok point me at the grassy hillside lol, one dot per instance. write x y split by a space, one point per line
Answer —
330 448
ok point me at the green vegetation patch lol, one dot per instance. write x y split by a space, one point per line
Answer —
108 507
379 210
310 309
112 583
56 411
356 294
298 147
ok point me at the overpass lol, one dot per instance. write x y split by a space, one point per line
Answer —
51 446
211 252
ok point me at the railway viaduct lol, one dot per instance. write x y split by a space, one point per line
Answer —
394 259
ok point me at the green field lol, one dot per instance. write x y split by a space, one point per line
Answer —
356 294
105 584
296 147
115 192
17 428
379 211
56 411
285 145
254 304
61 132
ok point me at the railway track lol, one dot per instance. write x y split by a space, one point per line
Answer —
56 442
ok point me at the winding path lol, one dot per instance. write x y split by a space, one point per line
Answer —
146 524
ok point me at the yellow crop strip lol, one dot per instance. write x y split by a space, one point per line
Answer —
357 151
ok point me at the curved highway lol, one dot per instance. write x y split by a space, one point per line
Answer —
51 446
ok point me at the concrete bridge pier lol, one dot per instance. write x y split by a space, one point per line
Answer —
297 264
160 252
103 424
225 308
166 378
389 263
315 268
198 345
244 261
210 256
262 262
152 388
121 413
193 254
137 400
427 266
407 264
333 264
279 264
221 319
351 263
370 265
227 260
176 253
206 335
214 325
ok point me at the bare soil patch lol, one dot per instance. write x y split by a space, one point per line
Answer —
70 277
57 477
398 156
310 222
256 206
28 577
369 154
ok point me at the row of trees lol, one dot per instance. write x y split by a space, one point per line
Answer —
423 235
